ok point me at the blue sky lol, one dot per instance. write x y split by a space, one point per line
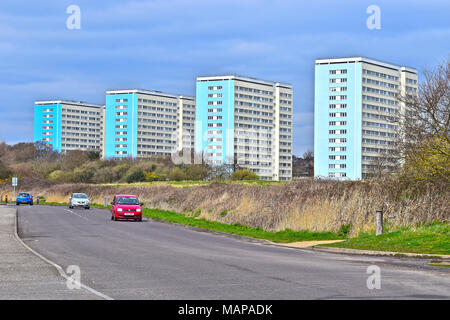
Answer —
164 44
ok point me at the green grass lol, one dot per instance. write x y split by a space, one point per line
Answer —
439 265
281 236
433 239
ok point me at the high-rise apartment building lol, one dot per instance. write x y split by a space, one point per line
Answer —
69 125
247 122
141 123
355 108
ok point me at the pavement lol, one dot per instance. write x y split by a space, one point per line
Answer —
307 244
440 257
154 260
23 275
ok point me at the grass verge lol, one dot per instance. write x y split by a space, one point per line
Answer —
439 265
258 233
431 239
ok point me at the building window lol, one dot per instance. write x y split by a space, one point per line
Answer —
215 95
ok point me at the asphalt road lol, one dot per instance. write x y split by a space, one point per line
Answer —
154 260
24 275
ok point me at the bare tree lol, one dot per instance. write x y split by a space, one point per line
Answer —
423 144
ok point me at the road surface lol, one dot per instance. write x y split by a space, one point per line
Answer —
156 260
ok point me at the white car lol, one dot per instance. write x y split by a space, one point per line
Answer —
79 200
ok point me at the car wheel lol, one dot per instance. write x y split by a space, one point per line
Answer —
31 203
17 203
140 219
87 208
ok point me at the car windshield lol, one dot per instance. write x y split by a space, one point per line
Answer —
127 200
24 194
79 196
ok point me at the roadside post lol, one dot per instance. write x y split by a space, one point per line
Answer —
379 222
14 184
104 202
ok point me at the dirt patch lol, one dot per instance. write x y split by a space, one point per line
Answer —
306 244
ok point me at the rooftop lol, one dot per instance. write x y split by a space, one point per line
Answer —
71 102
150 92
243 78
367 60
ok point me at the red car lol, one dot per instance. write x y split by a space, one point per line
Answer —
126 207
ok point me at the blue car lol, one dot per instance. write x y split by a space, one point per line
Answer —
24 198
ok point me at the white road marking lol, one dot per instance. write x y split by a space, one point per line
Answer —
60 270
76 214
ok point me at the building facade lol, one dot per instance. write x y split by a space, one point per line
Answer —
247 122
356 106
69 125
141 123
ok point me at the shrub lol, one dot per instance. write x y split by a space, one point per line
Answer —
345 229
84 173
42 169
58 176
93 155
104 175
120 170
150 176
73 159
196 172
135 175
4 171
244 175
176 174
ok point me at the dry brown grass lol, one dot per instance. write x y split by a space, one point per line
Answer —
300 205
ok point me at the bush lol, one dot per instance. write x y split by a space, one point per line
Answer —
73 159
120 171
58 176
104 175
150 176
4 171
176 174
93 155
135 175
43 169
345 229
196 172
244 175
85 173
